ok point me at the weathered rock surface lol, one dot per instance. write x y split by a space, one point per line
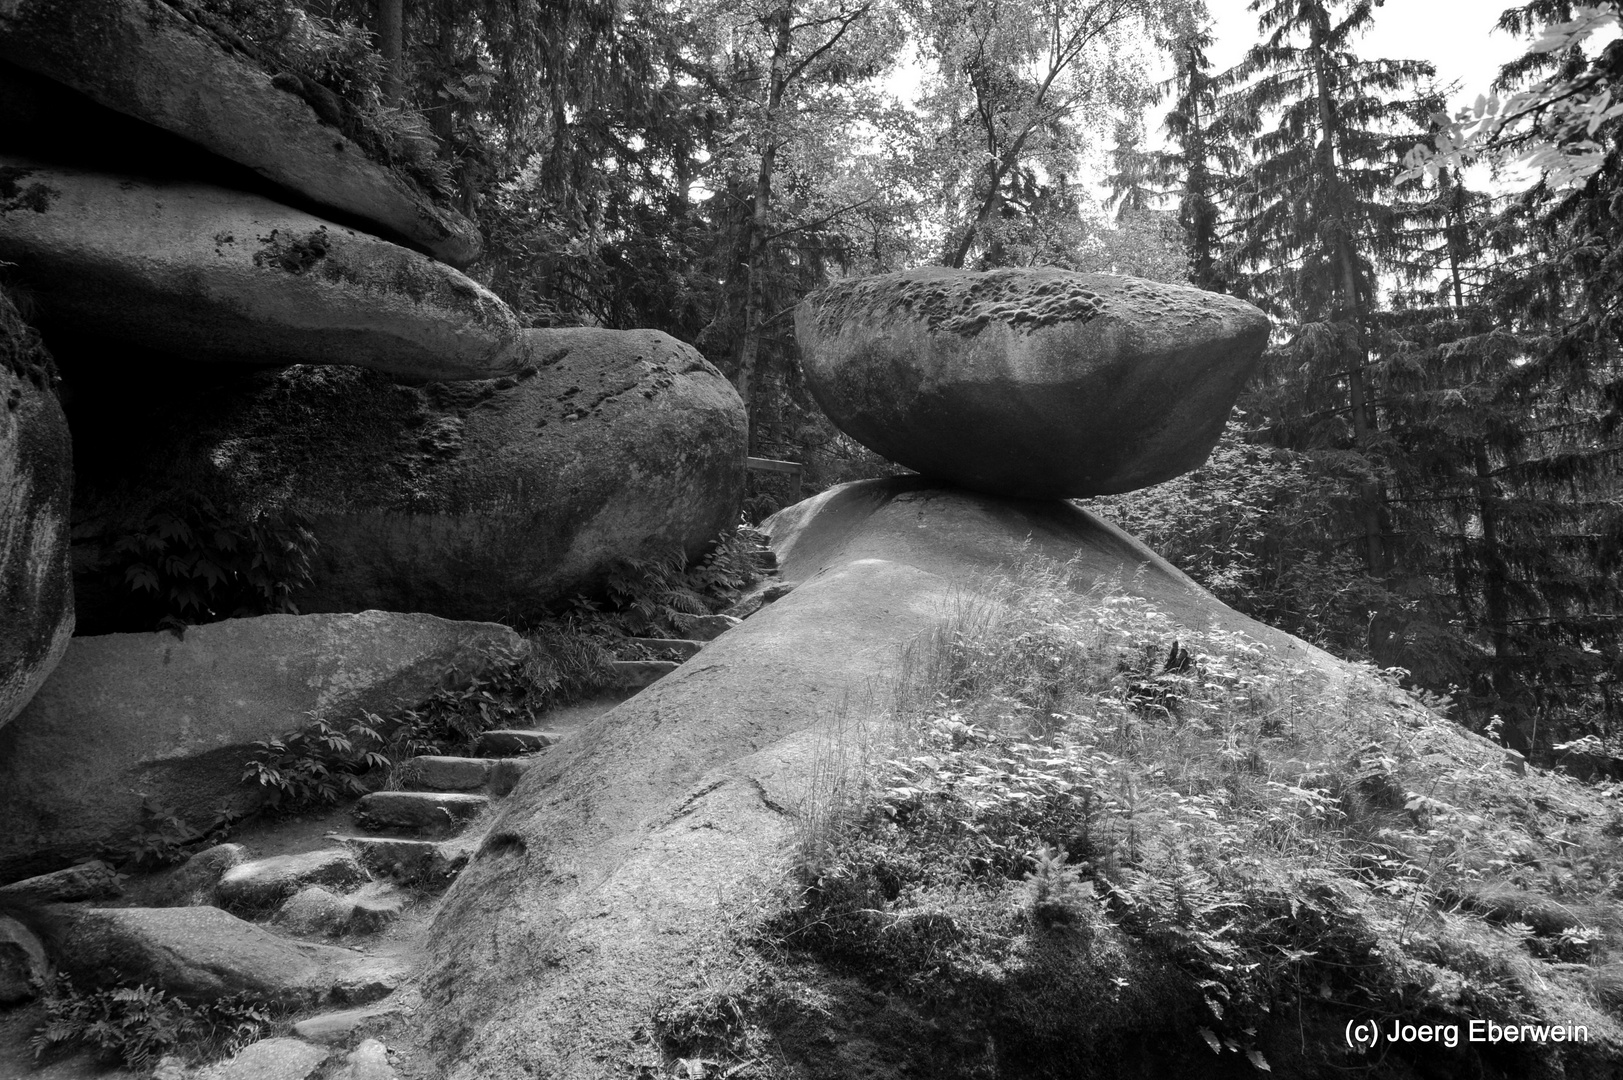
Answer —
265 883
209 274
271 1059
36 492
128 717
1029 383
199 953
312 911
204 953
22 962
94 880
368 1061
608 878
439 812
194 881
151 62
468 500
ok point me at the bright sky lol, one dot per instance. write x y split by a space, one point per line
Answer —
1457 36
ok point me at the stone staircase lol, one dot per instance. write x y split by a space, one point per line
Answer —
420 836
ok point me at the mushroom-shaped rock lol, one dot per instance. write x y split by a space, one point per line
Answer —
36 489
1030 383
210 274
164 64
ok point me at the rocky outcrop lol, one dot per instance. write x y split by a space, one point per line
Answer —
209 274
128 718
36 490
150 61
475 500
1029 383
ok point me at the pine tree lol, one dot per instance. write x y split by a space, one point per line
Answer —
1319 219
1204 158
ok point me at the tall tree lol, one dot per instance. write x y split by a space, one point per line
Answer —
1013 86
1321 216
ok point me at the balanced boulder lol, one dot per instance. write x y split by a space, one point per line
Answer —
1030 383
36 491
206 273
128 718
473 500
169 66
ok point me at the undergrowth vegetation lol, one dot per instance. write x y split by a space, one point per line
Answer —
135 1026
325 762
1076 814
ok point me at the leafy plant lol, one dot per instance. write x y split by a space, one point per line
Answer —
188 562
137 1025
318 765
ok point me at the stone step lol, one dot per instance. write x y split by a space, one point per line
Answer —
497 776
262 884
506 741
682 648
419 811
431 864
636 674
706 627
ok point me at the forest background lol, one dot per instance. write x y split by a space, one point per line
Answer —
1424 474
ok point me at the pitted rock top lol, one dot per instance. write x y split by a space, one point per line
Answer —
1030 383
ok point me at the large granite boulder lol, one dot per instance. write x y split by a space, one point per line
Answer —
128 717
1031 383
211 274
36 491
473 500
165 64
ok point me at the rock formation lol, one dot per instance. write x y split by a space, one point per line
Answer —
151 717
1029 383
186 76
208 274
36 488
470 500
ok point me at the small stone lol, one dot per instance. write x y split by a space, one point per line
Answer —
636 674
22 962
265 883
314 910
434 773
374 907
706 627
337 1027
94 880
271 1059
1515 762
194 881
368 978
368 1061
420 863
419 811
505 774
171 1067
681 648
504 741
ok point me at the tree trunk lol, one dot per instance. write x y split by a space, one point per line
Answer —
392 43
749 345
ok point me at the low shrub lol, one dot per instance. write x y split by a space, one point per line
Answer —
1065 774
137 1025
